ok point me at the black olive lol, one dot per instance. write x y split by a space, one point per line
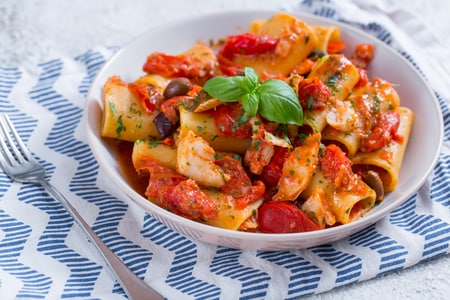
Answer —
373 180
177 87
164 126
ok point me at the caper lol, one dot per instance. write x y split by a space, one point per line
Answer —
177 87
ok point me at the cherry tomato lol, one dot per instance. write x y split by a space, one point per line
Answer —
337 167
187 199
383 133
283 217
333 161
170 107
364 51
313 94
335 47
248 44
240 187
363 78
162 179
228 67
178 194
231 120
363 55
150 96
272 172
171 65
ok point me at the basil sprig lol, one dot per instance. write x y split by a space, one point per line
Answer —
273 99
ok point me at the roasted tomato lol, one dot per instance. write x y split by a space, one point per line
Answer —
240 187
232 121
313 94
162 180
337 167
248 44
179 194
173 66
283 217
385 130
272 172
187 199
363 78
363 55
243 44
150 96
335 47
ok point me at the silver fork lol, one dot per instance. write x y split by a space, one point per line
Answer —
19 164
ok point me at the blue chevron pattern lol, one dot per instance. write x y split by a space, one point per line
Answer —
53 239
435 232
440 189
347 266
183 263
16 234
392 254
253 282
305 276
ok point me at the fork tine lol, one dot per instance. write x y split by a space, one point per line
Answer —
21 154
26 153
6 153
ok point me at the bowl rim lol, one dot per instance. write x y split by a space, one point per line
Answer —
154 210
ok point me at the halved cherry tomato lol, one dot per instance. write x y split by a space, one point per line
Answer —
335 47
365 51
283 217
313 94
363 78
231 120
336 166
162 180
244 44
383 133
333 160
228 67
363 55
240 186
187 199
171 65
272 172
178 194
248 44
170 107
150 96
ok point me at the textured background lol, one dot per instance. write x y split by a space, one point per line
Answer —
36 31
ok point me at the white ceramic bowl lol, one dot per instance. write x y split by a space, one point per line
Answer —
173 38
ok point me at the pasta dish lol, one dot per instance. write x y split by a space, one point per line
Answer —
274 130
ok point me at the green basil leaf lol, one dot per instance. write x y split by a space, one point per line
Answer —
252 80
227 89
250 103
278 102
274 99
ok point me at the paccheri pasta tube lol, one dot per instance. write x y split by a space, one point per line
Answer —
387 160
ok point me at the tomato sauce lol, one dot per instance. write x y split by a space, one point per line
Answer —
123 151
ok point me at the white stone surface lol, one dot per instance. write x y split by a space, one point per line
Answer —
33 31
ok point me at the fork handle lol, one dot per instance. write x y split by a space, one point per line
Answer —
133 286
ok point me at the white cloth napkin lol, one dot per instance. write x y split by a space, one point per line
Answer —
44 255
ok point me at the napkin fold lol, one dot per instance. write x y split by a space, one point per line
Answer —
44 255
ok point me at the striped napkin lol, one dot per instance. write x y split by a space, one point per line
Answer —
44 255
